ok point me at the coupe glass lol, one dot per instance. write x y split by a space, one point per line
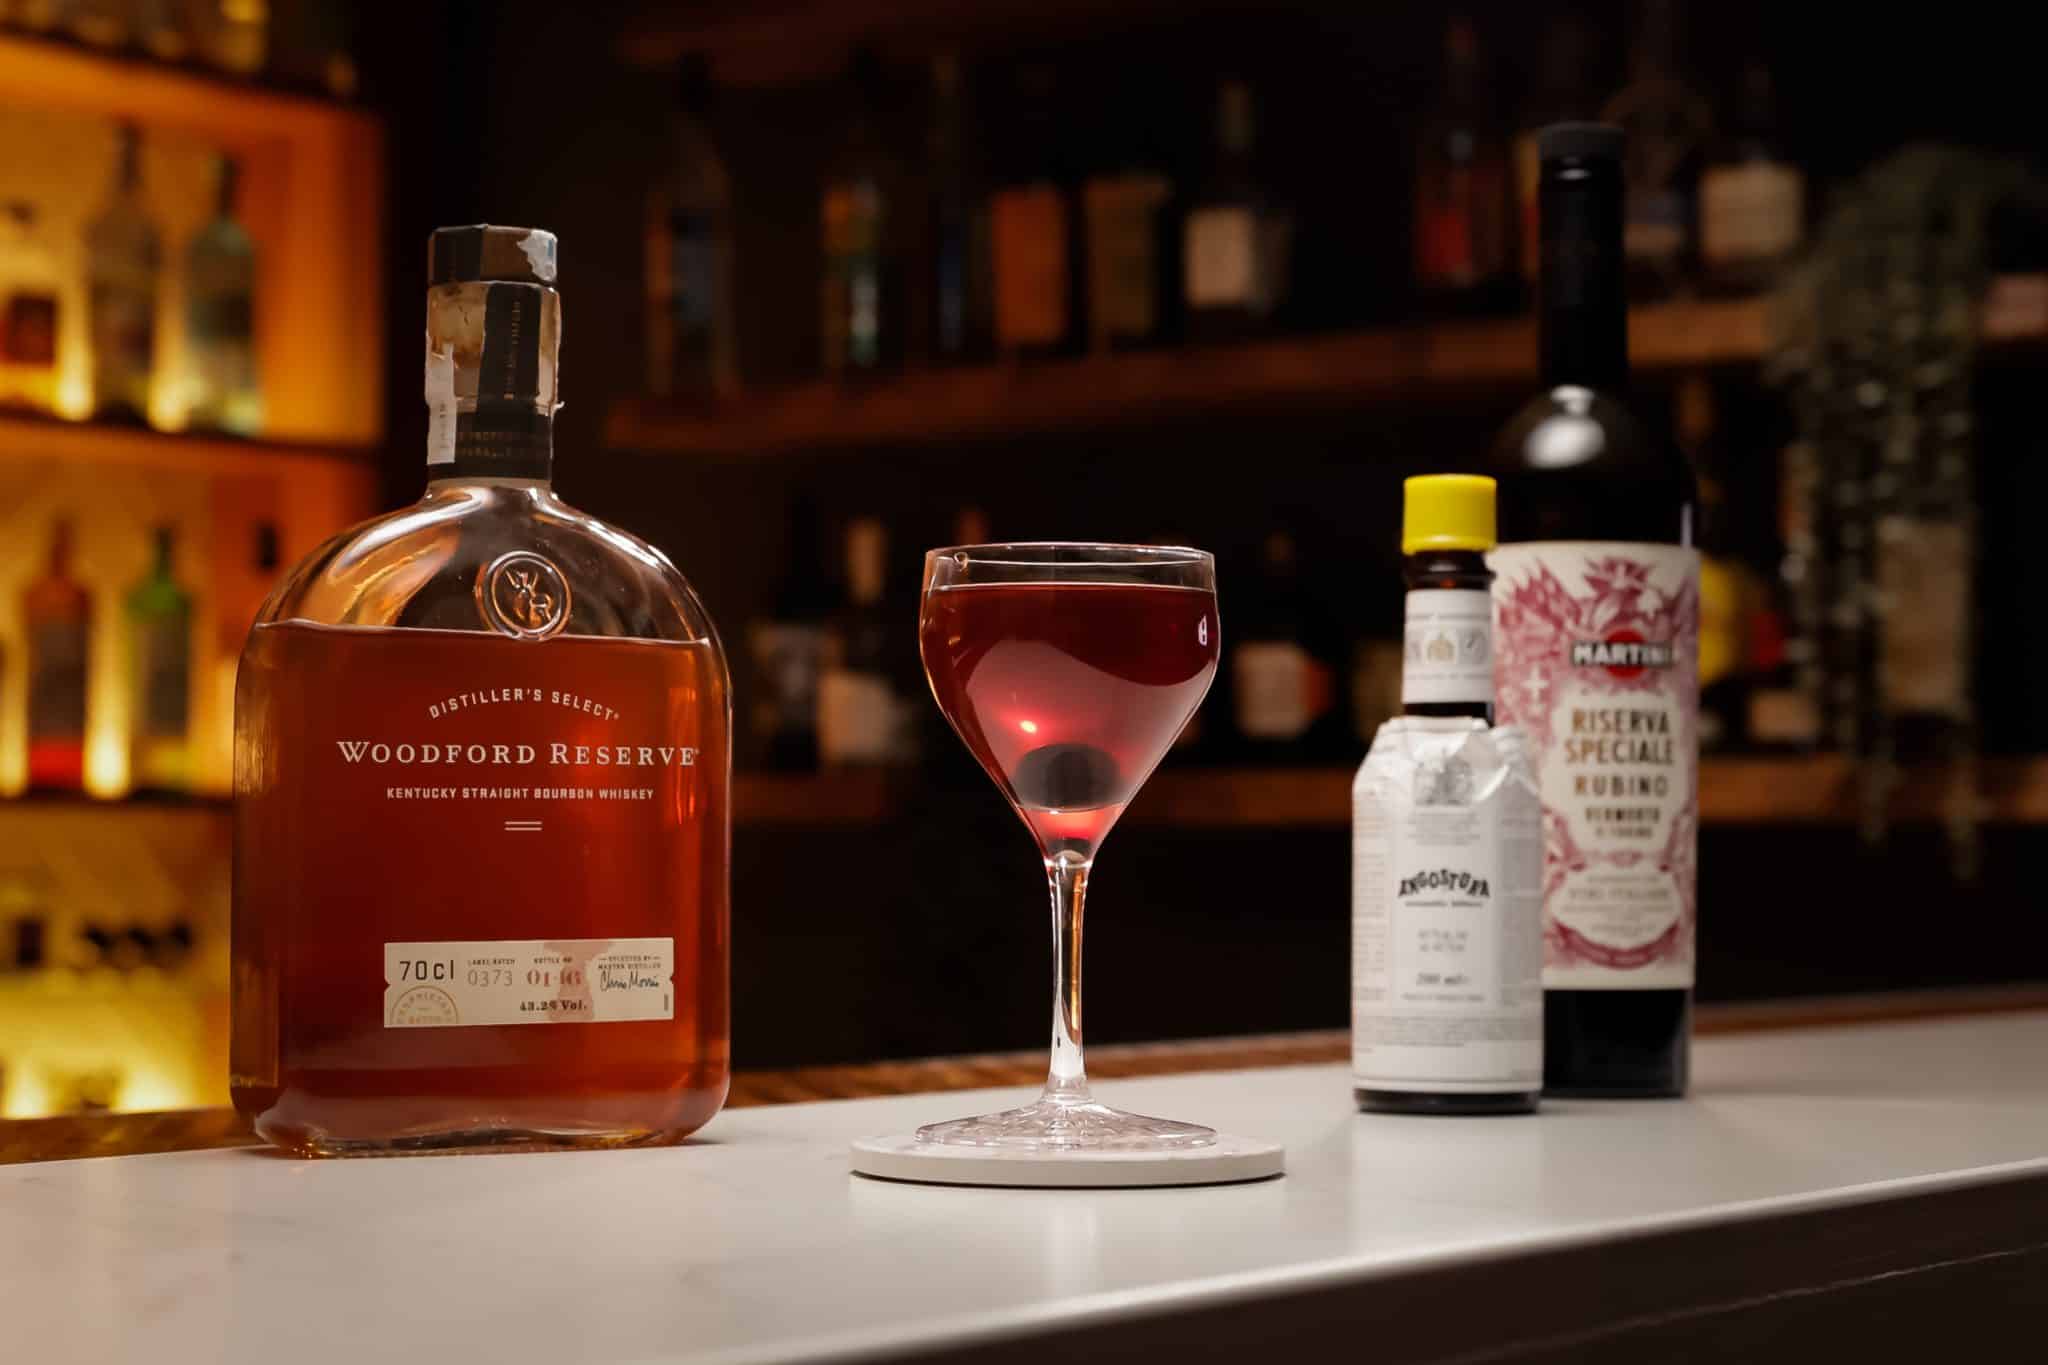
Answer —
1068 670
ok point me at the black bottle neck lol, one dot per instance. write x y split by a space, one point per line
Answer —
1582 312
491 386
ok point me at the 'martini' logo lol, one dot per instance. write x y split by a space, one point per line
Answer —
523 595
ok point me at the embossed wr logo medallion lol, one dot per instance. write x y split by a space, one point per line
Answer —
523 595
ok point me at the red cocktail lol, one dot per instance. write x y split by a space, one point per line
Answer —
1069 693
1068 670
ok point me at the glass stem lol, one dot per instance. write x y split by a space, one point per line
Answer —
1067 1081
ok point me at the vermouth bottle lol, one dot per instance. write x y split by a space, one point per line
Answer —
1596 602
481 790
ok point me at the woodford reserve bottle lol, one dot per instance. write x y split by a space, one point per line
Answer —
1596 592
1446 847
481 777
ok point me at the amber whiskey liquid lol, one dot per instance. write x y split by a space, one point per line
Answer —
383 801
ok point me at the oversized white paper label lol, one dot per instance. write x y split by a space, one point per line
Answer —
1446 892
1596 648
528 981
1447 655
1277 689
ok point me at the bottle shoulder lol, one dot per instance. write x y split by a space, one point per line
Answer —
493 557
1576 464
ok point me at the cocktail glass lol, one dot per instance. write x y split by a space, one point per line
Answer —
1068 670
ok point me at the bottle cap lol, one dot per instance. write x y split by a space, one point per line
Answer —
1447 512
483 252
1579 142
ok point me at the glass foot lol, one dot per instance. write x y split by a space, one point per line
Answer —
1069 1125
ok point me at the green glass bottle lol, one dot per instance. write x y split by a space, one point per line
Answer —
160 655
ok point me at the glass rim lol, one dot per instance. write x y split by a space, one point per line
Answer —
993 552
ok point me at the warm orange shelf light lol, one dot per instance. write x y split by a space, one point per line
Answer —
313 194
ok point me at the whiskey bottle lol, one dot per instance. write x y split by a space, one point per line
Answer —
692 349
481 790
1236 240
124 260
1461 233
1447 847
859 322
160 664
57 611
1031 228
220 319
1596 633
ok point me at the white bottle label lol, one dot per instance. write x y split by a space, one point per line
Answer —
1447 884
528 981
1276 687
1222 258
1750 212
857 717
1447 655
1596 648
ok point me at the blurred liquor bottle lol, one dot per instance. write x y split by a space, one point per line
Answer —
1752 197
102 23
57 612
1667 126
35 16
860 712
1236 240
233 35
1462 201
1784 701
220 319
1728 589
1032 226
1125 205
312 45
956 312
1282 682
31 285
1561 95
161 29
692 347
160 660
860 318
789 645
124 259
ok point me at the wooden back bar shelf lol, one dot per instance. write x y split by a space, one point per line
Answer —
1328 372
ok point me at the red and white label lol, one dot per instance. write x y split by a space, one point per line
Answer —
1596 648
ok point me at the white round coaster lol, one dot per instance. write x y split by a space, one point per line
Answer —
1224 1161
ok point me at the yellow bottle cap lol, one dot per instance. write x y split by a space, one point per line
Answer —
1447 512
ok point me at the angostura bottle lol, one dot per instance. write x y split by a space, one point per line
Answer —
1446 847
1596 637
481 777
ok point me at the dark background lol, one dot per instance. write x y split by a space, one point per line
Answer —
929 933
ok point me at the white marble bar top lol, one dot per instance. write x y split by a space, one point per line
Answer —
754 1243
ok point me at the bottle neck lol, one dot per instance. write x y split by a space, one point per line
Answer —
491 390
1447 668
1582 313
